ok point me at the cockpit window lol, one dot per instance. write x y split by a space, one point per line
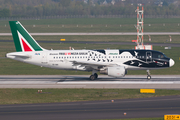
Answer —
158 55
164 55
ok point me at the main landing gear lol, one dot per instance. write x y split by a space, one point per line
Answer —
93 76
148 75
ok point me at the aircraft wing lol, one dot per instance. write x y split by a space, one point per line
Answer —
90 65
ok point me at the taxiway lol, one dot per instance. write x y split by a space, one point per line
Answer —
134 108
107 42
101 33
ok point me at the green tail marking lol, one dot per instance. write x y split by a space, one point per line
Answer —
17 27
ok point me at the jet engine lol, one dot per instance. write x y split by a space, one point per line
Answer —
119 71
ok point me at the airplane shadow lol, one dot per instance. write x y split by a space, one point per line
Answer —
75 78
99 79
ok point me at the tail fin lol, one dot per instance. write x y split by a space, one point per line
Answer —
23 41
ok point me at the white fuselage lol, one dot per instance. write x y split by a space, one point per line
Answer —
64 59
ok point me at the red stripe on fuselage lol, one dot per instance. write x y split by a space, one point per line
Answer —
26 47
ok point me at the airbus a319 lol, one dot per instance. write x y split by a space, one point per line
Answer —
112 62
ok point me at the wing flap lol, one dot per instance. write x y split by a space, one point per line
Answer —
91 65
84 63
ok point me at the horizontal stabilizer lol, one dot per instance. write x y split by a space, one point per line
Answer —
17 56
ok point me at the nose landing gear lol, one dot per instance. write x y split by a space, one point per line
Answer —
148 75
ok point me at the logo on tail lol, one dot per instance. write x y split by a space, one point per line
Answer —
25 46
23 41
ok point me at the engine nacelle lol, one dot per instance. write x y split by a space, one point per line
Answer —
115 71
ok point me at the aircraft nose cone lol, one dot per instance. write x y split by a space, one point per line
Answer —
171 62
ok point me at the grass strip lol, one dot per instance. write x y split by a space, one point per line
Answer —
26 96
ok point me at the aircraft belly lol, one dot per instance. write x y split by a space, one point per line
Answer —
143 68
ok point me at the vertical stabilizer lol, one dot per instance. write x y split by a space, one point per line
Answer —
23 41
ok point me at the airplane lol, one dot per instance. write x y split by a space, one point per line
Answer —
112 62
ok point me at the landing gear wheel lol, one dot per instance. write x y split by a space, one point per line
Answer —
92 77
96 75
148 77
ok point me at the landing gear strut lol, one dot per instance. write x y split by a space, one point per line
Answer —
148 75
96 75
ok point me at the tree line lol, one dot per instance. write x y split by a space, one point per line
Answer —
38 8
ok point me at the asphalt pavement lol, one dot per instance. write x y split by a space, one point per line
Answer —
102 42
83 81
100 33
134 108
